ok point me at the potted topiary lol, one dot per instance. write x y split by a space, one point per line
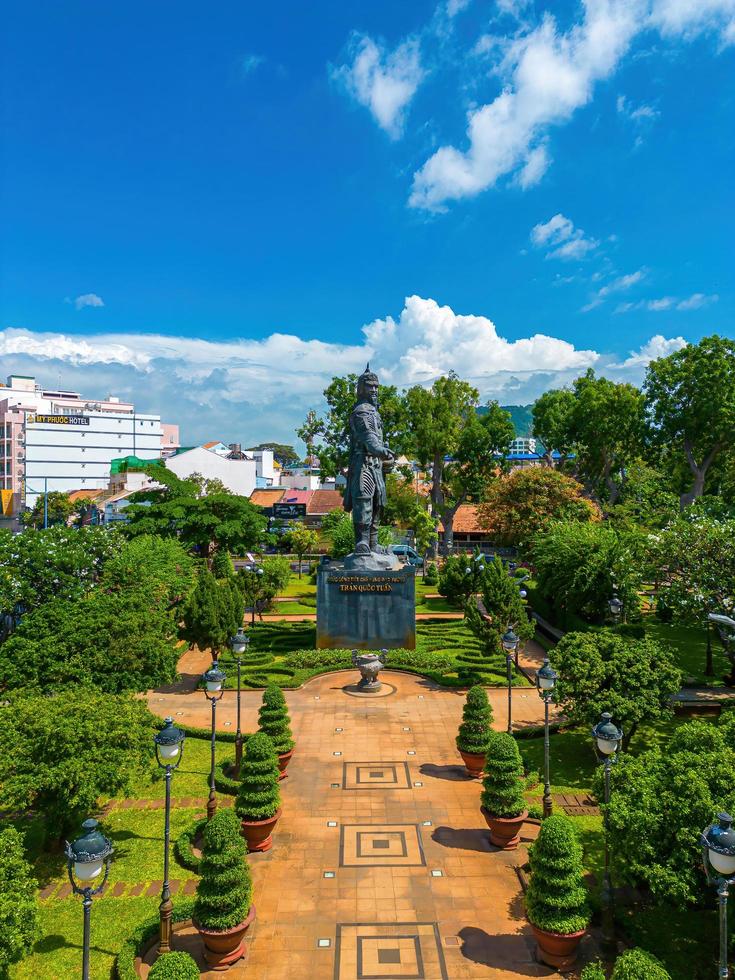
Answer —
258 802
556 899
503 806
474 731
222 910
273 719
637 964
176 965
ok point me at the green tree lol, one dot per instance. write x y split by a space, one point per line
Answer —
333 449
580 566
459 578
259 795
216 521
222 566
552 424
339 530
424 530
660 802
477 716
19 912
608 423
112 642
402 499
504 609
273 719
690 400
302 541
161 567
59 509
461 449
259 590
284 454
213 613
502 784
646 500
225 890
556 899
91 744
522 503
695 561
632 679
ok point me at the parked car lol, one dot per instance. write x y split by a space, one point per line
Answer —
407 555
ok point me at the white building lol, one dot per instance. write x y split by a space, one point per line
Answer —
57 440
238 475
522 445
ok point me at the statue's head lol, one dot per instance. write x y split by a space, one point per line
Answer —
367 386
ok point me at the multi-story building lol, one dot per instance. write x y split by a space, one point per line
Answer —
58 440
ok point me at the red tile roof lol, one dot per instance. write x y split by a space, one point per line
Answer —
465 520
324 501
296 496
266 498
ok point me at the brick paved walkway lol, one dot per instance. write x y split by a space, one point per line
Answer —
381 862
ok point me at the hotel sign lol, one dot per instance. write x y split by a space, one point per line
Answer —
59 419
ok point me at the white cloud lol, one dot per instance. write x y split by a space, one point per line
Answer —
618 285
88 299
536 165
250 62
384 82
635 113
694 302
546 75
569 242
656 347
455 7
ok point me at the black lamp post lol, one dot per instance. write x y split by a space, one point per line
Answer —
214 688
607 738
718 856
257 571
169 745
510 644
240 643
86 858
546 679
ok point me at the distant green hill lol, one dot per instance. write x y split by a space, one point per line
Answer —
521 416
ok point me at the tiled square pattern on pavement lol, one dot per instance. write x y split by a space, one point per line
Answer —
389 951
376 775
380 846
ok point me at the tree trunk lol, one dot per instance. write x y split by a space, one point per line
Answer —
612 488
699 474
437 494
628 735
447 518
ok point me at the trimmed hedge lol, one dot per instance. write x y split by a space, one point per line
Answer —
273 719
175 965
259 795
225 890
637 964
142 934
477 715
593 971
502 784
206 733
222 782
556 899
183 845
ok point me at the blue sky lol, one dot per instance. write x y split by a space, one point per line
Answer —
214 208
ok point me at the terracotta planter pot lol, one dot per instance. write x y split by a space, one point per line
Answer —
283 760
259 833
223 947
557 949
474 763
505 832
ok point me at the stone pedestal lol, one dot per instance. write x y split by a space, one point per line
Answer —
365 608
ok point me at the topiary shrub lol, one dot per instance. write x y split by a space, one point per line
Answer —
637 964
184 846
273 719
502 784
259 796
431 575
226 889
143 933
474 731
593 971
556 900
175 965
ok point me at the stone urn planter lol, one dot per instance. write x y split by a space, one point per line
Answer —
259 833
505 832
557 949
223 947
369 665
283 760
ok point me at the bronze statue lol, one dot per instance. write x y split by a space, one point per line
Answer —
370 458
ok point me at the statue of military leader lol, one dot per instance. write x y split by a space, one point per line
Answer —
370 458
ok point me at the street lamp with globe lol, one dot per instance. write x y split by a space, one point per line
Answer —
718 857
240 643
607 738
510 643
86 858
214 689
546 678
169 746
